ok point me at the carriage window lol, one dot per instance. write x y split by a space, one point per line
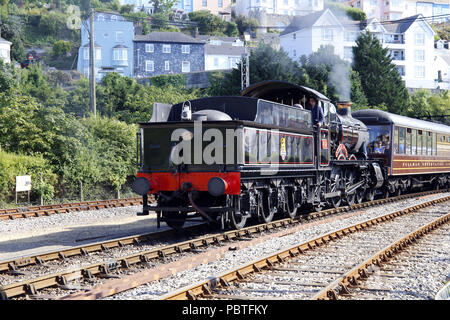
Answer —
434 144
251 146
401 140
429 144
326 114
414 141
306 147
419 142
262 149
408 141
396 150
379 139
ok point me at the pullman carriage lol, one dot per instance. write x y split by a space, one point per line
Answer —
415 152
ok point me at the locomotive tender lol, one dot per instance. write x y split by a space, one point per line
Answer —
228 159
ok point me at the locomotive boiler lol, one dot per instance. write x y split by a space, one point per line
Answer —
226 160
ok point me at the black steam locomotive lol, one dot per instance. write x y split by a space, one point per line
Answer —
228 159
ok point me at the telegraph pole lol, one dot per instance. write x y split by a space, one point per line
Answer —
245 64
92 64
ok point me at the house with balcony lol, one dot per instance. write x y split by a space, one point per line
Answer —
222 53
410 42
435 10
160 53
113 43
147 6
279 7
5 50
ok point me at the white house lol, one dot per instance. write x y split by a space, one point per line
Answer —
5 50
410 42
306 34
442 65
433 10
282 7
222 53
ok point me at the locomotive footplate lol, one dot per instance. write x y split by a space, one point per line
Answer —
187 209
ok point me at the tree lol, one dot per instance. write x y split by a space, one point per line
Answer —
266 63
327 73
380 79
246 24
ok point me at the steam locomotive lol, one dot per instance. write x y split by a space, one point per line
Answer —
259 156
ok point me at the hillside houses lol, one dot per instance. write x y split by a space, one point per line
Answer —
117 48
410 42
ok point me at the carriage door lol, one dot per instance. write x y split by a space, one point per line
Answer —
324 147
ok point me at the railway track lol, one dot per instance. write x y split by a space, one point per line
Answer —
328 267
120 265
47 210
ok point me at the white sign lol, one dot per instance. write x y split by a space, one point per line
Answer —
23 183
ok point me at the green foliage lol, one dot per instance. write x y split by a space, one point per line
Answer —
8 76
211 24
265 62
50 24
12 30
424 104
164 80
380 79
12 165
61 47
442 31
354 13
245 24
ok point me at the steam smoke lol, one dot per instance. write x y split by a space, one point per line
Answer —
340 79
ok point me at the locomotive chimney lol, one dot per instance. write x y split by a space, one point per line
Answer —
345 108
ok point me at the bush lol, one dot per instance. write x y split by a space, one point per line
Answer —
61 47
176 80
12 165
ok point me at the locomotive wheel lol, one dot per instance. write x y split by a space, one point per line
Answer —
291 211
265 213
350 180
360 195
370 194
236 219
176 219
335 185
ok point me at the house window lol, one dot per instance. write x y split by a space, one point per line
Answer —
327 34
120 54
420 39
149 65
216 62
294 36
119 36
113 18
166 48
220 3
185 49
373 2
149 47
420 71
185 66
167 65
420 55
101 17
286 2
204 3
98 54
86 53
295 53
